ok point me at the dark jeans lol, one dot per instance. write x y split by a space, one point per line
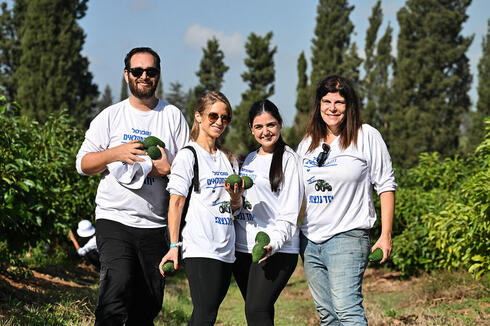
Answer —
131 287
209 280
261 284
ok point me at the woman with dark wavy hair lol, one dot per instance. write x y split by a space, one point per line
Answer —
341 161
271 205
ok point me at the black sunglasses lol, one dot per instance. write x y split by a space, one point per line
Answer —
323 155
213 117
150 72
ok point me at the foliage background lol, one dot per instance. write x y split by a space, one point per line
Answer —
42 193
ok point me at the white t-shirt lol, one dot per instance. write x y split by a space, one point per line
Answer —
90 245
118 124
339 195
275 213
209 230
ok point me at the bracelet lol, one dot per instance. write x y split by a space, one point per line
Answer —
177 244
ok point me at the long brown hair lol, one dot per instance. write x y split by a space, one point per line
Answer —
317 128
276 174
204 102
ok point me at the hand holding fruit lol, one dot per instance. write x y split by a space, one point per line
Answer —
128 152
155 149
262 250
169 263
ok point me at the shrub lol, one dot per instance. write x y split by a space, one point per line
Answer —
443 207
42 194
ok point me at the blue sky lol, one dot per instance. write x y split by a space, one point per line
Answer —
178 30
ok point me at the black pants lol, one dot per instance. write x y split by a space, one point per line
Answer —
131 287
209 280
261 284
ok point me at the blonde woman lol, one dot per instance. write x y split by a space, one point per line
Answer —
208 238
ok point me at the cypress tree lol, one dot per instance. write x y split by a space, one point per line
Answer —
212 67
381 89
294 134
476 133
105 100
260 77
52 73
431 79
368 84
10 23
332 39
124 90
350 66
211 74
180 99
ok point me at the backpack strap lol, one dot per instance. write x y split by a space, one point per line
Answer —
195 178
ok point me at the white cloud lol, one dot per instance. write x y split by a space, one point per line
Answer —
197 36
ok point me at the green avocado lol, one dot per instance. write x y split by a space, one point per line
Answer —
154 152
247 181
258 252
234 179
168 268
262 238
153 141
376 255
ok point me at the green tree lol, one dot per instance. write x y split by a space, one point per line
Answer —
368 87
381 89
350 66
180 99
124 90
375 86
104 101
295 133
477 127
211 73
332 37
212 67
10 22
260 77
52 74
431 79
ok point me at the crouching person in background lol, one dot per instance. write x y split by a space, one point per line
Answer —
87 246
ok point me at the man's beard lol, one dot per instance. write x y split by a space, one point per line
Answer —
141 94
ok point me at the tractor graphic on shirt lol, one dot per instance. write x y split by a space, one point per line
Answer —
322 185
246 204
225 207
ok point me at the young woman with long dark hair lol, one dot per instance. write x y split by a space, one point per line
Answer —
271 205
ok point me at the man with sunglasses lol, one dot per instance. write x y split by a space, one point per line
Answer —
132 203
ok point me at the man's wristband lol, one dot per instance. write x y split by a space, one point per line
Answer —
177 244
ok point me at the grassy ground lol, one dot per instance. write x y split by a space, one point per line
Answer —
67 296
